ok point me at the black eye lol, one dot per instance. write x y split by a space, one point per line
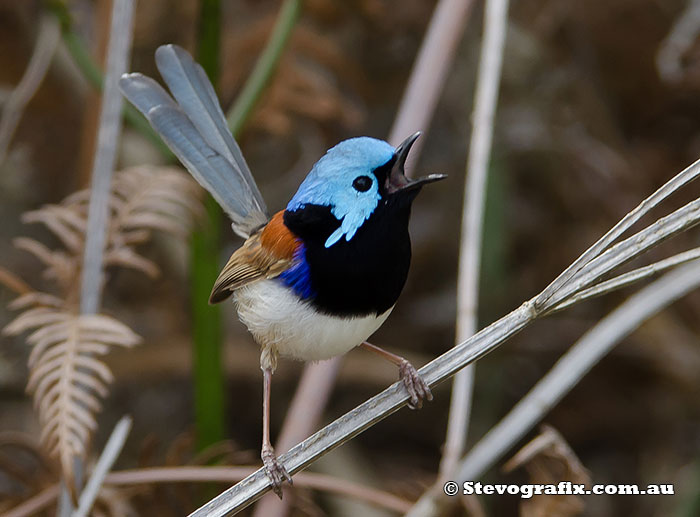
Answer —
362 184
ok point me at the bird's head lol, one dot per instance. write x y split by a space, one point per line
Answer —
357 176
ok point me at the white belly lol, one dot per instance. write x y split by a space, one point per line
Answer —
282 324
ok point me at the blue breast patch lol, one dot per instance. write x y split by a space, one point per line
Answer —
298 277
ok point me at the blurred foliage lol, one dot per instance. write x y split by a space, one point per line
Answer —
209 404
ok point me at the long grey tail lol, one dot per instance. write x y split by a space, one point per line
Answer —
195 129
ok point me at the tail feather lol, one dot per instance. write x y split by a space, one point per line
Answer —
195 129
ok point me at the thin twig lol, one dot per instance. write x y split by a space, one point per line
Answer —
265 66
190 474
35 504
109 455
629 278
682 219
233 474
486 99
671 186
13 282
577 361
36 71
391 399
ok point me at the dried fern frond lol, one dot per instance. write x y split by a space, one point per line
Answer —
143 199
149 198
127 257
13 282
59 265
156 198
67 379
35 299
67 221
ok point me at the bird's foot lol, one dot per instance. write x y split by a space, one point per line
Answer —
415 385
275 470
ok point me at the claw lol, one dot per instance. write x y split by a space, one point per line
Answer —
415 385
275 471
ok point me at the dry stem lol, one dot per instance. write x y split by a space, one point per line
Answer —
487 87
188 474
573 365
575 278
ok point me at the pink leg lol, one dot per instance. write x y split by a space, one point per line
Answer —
415 385
275 470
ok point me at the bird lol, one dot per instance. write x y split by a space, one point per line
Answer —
319 277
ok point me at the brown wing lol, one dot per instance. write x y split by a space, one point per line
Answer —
265 254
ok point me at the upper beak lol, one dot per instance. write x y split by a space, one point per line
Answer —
397 180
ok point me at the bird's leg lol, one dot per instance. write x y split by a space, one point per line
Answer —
275 470
415 385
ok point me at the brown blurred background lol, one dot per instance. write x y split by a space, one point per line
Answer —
586 128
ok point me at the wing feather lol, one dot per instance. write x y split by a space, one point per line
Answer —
195 129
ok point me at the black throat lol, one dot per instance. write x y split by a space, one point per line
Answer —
364 275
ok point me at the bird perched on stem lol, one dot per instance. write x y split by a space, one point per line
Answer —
318 278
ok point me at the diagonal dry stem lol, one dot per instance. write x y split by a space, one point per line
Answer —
573 365
629 278
675 183
682 219
382 405
109 455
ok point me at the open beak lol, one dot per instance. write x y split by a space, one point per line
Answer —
396 180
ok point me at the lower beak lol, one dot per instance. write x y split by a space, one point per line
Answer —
396 180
